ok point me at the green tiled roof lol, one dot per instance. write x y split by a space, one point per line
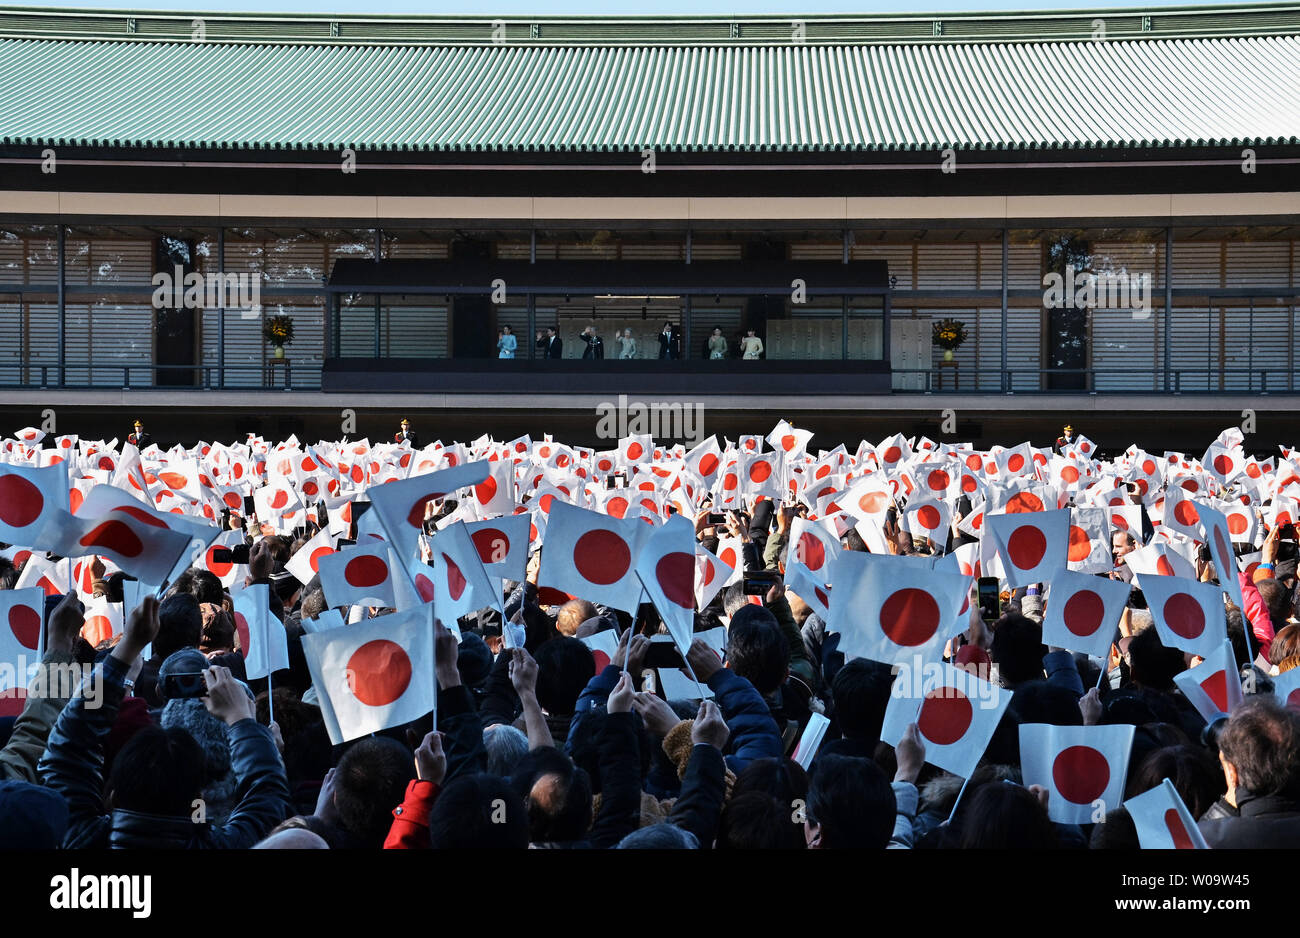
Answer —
703 97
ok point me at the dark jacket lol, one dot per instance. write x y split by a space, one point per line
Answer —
595 346
699 809
411 437
73 765
1270 822
754 734
668 345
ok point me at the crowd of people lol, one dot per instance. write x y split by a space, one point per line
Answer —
550 344
543 740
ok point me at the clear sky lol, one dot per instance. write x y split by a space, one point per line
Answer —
596 7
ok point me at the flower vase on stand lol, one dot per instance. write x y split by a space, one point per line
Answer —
947 354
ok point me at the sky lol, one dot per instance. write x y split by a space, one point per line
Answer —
598 7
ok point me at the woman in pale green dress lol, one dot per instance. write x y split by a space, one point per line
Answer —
626 345
717 344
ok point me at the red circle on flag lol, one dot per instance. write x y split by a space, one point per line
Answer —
20 501
75 498
1222 464
873 502
218 568
279 499
945 716
1026 547
456 581
486 490
424 586
602 557
938 480
1224 549
1023 503
12 701
1237 523
909 617
675 573
616 507
25 622
241 626
1184 615
635 450
1016 462
174 480
1216 688
730 481
812 552
139 514
1174 824
1253 471
1080 543
314 560
491 543
708 572
1186 513
1070 474
1149 467
106 464
760 470
822 472
893 454
1189 485
365 571
787 442
973 462
728 556
1080 774
378 672
605 464
708 464
929 517
1083 613
114 536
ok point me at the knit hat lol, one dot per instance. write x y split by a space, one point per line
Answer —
31 817
212 735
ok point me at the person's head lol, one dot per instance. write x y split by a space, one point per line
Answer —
1018 649
757 649
572 614
32 817
1121 543
1259 750
160 771
370 781
139 425
668 326
628 333
861 691
180 625
507 330
1285 648
717 331
204 585
659 837
1151 664
850 805
293 838
1003 816
505 746
557 794
550 331
755 820
564 666
478 812
313 604
749 332
1278 600
1192 770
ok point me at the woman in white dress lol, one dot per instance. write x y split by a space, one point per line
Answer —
751 346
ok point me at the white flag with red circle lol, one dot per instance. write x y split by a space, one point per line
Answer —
705 460
891 609
1217 537
1188 614
263 641
358 575
762 475
399 506
1082 767
788 441
50 577
460 584
22 614
1090 541
1213 687
592 556
305 562
102 621
1083 612
711 575
373 675
811 551
28 499
1163 821
1032 546
1286 688
1160 558
635 448
1181 513
955 712
731 551
666 567
928 517
227 571
495 495
1243 525
502 545
603 645
133 538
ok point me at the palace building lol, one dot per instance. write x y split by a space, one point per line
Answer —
1107 201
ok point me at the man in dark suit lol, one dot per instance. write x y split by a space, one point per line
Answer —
669 342
408 434
139 439
595 345
552 344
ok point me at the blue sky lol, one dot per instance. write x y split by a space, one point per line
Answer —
590 7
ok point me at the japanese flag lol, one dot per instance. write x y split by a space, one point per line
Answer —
502 545
1215 534
731 551
893 451
1188 615
305 563
358 575
103 620
1127 518
1163 821
1213 687
1082 767
666 567
1033 546
460 584
603 645
893 609
592 556
229 573
262 639
1083 612
761 475
812 551
51 578
1019 460
928 517
788 441
1286 688
1090 541
635 448
711 574
705 460
22 614
399 506
1242 523
955 712
1159 558
1224 463
28 499
495 495
133 538
375 674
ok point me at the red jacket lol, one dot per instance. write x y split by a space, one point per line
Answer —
1257 612
410 830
